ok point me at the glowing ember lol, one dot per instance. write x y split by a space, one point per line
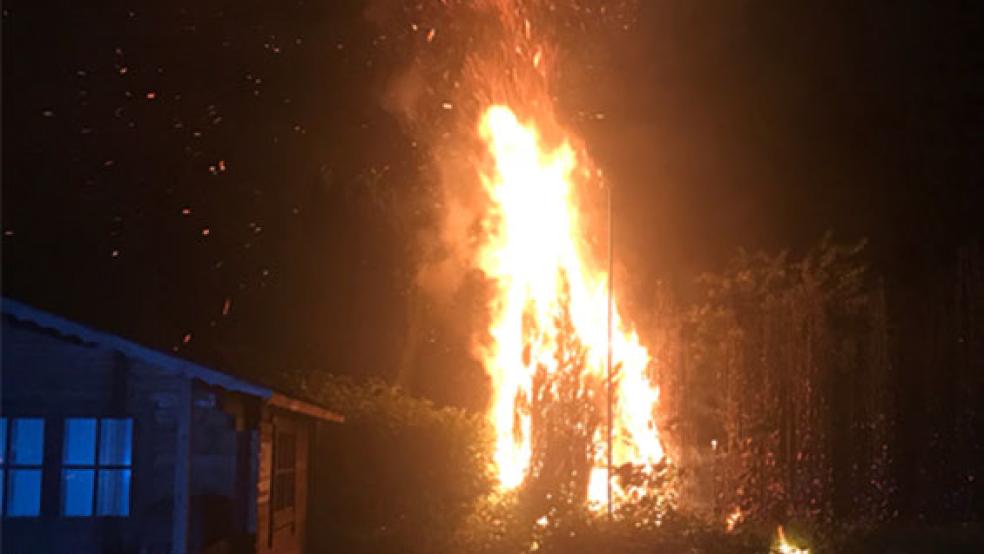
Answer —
533 243
783 546
733 519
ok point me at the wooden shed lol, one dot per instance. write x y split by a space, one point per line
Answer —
108 446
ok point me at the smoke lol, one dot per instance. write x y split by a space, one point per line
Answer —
450 60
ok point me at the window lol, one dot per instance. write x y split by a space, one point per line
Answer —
285 471
21 458
96 467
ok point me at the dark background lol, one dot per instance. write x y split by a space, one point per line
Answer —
727 124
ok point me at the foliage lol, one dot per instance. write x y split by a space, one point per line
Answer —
565 413
788 361
405 473
496 529
549 512
908 539
784 364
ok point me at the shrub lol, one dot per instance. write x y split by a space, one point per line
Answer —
404 473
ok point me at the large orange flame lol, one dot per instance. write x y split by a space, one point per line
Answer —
533 243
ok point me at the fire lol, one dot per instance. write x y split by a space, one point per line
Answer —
783 546
535 251
734 518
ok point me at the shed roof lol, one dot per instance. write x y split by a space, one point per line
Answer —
178 366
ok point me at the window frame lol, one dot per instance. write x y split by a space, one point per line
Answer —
287 496
97 467
7 466
283 501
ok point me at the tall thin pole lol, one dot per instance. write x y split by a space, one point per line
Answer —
611 291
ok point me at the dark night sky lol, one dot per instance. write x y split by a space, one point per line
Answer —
727 124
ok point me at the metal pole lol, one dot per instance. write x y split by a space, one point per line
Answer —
611 290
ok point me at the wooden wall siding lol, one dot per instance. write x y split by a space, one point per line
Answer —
282 532
154 397
220 493
244 413
303 483
231 445
322 446
213 447
45 375
48 376
263 485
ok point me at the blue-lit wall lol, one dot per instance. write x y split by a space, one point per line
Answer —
53 378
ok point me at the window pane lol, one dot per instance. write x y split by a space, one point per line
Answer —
80 441
114 492
77 492
26 441
24 489
114 441
3 441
